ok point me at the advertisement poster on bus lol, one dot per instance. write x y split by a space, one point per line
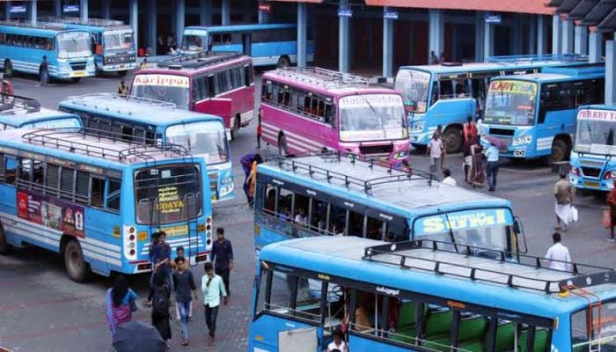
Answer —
161 81
169 202
463 220
600 115
51 212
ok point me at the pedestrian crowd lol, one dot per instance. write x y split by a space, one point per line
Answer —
173 283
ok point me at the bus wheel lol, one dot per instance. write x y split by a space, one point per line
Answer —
282 145
235 131
5 247
559 151
122 73
283 62
453 140
8 68
76 267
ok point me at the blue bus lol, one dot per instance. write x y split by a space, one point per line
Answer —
24 44
150 121
419 296
534 115
593 166
268 44
448 93
22 112
330 194
96 199
113 42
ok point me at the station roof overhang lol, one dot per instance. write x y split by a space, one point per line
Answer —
597 13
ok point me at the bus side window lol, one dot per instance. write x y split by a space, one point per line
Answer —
211 87
113 195
25 170
82 187
269 207
52 179
285 205
435 92
67 183
328 114
139 135
247 75
97 188
355 224
318 216
446 90
376 229
300 210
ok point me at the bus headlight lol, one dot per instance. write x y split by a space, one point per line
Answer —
417 127
523 140
400 155
575 171
227 180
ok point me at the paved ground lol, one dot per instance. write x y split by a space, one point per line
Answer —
42 310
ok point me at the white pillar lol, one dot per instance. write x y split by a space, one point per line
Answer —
57 8
567 37
479 27
106 9
83 8
532 34
33 11
610 71
488 41
343 39
594 49
581 40
152 20
226 12
180 18
8 10
134 19
302 34
556 35
436 32
541 42
205 12
388 46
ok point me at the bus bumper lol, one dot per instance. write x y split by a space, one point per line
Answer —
591 183
420 138
120 67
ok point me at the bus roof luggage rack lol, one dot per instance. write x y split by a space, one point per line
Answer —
322 77
112 98
204 58
15 104
94 22
528 273
30 24
508 59
295 165
72 140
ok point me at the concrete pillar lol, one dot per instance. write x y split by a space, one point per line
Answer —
594 47
8 11
226 12
302 34
106 9
205 12
436 26
57 8
152 19
343 39
388 46
84 11
180 20
479 27
134 18
541 42
610 71
488 40
518 40
581 40
532 34
33 11
264 16
556 35
567 39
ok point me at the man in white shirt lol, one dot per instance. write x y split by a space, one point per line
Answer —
448 180
300 218
558 254
338 345
492 166
435 150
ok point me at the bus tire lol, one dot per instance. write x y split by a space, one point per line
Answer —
76 266
282 145
8 68
283 62
453 139
559 151
122 73
235 131
5 247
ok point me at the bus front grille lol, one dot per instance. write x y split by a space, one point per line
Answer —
376 149
78 66
502 131
591 171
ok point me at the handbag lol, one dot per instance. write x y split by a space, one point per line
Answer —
607 219
574 214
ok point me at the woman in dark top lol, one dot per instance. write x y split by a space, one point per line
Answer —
160 306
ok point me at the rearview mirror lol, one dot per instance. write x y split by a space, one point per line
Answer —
518 230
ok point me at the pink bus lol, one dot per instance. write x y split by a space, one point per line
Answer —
213 83
305 110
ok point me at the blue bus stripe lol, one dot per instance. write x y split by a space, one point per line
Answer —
101 258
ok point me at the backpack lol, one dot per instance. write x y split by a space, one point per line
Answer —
160 302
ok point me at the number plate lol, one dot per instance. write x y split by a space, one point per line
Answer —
79 73
122 66
592 184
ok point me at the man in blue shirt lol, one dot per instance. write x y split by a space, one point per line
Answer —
222 256
492 166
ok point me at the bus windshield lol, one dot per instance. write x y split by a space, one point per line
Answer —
118 40
168 194
170 88
201 138
193 43
511 103
414 86
485 228
73 44
372 117
597 331
595 132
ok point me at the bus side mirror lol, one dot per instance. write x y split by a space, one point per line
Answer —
518 231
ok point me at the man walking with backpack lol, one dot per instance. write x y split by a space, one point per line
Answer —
160 306
213 289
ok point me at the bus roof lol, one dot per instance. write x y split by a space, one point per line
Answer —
323 79
367 182
91 24
548 77
147 111
101 148
203 61
598 107
448 67
243 27
21 118
349 257
37 26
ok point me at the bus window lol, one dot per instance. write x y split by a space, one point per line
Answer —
279 298
82 187
247 75
52 179
446 90
269 206
376 229
285 205
329 117
97 192
300 210
435 92
318 216
355 224
113 195
25 168
337 221
67 183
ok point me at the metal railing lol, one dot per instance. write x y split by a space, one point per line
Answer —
204 58
322 77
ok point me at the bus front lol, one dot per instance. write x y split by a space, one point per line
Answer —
194 40
118 51
172 197
373 125
511 116
74 55
162 87
415 87
490 229
593 158
207 139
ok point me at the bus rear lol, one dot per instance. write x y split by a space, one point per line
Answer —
593 158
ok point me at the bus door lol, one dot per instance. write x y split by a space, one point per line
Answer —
247 44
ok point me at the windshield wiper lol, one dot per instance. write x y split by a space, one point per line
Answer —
453 239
